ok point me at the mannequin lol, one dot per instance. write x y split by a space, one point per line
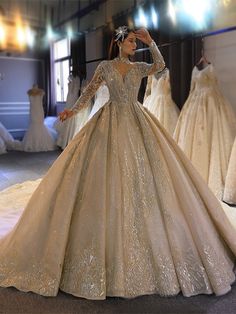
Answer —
37 137
35 91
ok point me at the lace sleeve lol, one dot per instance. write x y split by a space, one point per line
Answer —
158 64
90 90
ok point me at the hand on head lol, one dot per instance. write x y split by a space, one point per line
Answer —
143 35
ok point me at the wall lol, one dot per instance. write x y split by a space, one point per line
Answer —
19 74
220 50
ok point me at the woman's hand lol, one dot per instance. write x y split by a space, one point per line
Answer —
143 35
64 115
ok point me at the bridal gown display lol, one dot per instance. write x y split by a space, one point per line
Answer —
101 98
2 146
66 131
7 142
159 102
37 137
122 211
206 129
230 181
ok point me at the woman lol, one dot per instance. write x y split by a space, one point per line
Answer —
122 212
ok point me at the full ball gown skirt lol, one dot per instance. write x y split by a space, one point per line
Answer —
122 211
12 203
206 129
68 129
160 102
230 181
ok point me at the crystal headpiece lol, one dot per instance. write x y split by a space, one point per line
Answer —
121 32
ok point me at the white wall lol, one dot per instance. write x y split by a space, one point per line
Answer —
221 51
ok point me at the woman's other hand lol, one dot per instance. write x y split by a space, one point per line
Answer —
64 115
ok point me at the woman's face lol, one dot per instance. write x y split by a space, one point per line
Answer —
128 46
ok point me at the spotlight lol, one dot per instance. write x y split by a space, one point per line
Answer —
21 38
226 3
69 32
141 19
2 34
50 34
198 11
154 17
30 36
172 11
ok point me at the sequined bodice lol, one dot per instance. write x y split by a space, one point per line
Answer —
162 85
122 89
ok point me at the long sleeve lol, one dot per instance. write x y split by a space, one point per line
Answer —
157 65
90 90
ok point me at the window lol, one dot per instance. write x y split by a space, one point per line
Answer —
61 58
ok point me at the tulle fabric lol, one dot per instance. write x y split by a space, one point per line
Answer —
160 102
206 129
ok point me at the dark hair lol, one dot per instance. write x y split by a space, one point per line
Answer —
114 49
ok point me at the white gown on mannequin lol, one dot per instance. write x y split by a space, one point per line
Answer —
230 181
206 129
37 138
160 102
101 98
122 212
68 129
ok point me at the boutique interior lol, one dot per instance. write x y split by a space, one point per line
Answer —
49 52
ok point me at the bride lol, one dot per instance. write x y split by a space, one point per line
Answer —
122 212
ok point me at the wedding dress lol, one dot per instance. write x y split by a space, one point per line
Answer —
122 211
68 129
230 181
37 138
2 146
159 102
7 142
12 203
101 98
206 129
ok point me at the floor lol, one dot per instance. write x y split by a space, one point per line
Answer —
16 167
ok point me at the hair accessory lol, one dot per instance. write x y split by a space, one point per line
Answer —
121 32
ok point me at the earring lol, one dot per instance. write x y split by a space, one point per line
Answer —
120 51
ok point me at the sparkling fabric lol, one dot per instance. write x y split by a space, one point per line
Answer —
159 102
68 129
230 182
122 212
206 129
